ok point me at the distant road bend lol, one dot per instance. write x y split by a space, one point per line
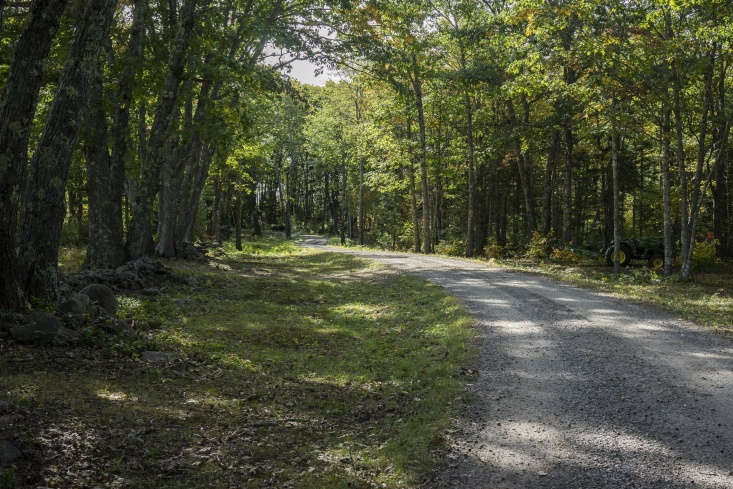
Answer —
576 389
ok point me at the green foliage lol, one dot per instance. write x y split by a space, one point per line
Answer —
539 247
566 256
455 247
704 255
494 251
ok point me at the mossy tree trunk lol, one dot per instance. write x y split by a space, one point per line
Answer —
17 109
44 201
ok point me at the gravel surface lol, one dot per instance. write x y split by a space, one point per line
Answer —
576 389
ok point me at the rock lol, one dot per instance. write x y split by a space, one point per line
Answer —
66 336
9 453
150 291
159 356
41 327
182 302
101 295
76 304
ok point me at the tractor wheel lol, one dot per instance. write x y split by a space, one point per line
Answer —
656 262
624 255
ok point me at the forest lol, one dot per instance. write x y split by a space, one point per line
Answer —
135 128
216 274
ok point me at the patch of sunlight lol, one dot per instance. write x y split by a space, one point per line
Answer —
219 266
127 305
333 330
115 396
361 456
234 360
180 337
345 380
357 308
212 400
25 392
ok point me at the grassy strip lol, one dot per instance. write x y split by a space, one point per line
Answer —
707 300
297 369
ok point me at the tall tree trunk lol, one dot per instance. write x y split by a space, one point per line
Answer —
568 191
120 132
140 233
417 87
524 165
697 190
547 187
289 183
17 109
105 248
680 153
470 238
616 217
361 201
666 190
721 216
344 200
413 196
168 198
216 211
238 224
44 208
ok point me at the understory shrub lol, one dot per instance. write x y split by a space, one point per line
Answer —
565 255
704 255
494 251
451 248
540 246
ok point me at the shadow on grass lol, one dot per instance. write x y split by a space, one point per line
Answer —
292 379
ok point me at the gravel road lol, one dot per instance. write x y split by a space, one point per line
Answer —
576 389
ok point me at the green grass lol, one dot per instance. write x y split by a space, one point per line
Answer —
299 369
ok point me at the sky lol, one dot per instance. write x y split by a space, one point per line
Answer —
304 72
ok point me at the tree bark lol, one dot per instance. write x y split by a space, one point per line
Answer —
417 87
344 199
17 109
666 190
120 135
238 224
568 191
170 185
697 195
470 238
361 201
105 248
616 219
680 153
44 209
140 232
524 165
547 187
721 216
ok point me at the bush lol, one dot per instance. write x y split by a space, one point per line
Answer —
565 255
704 254
539 246
451 248
494 251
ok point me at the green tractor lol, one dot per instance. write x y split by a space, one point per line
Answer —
647 248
